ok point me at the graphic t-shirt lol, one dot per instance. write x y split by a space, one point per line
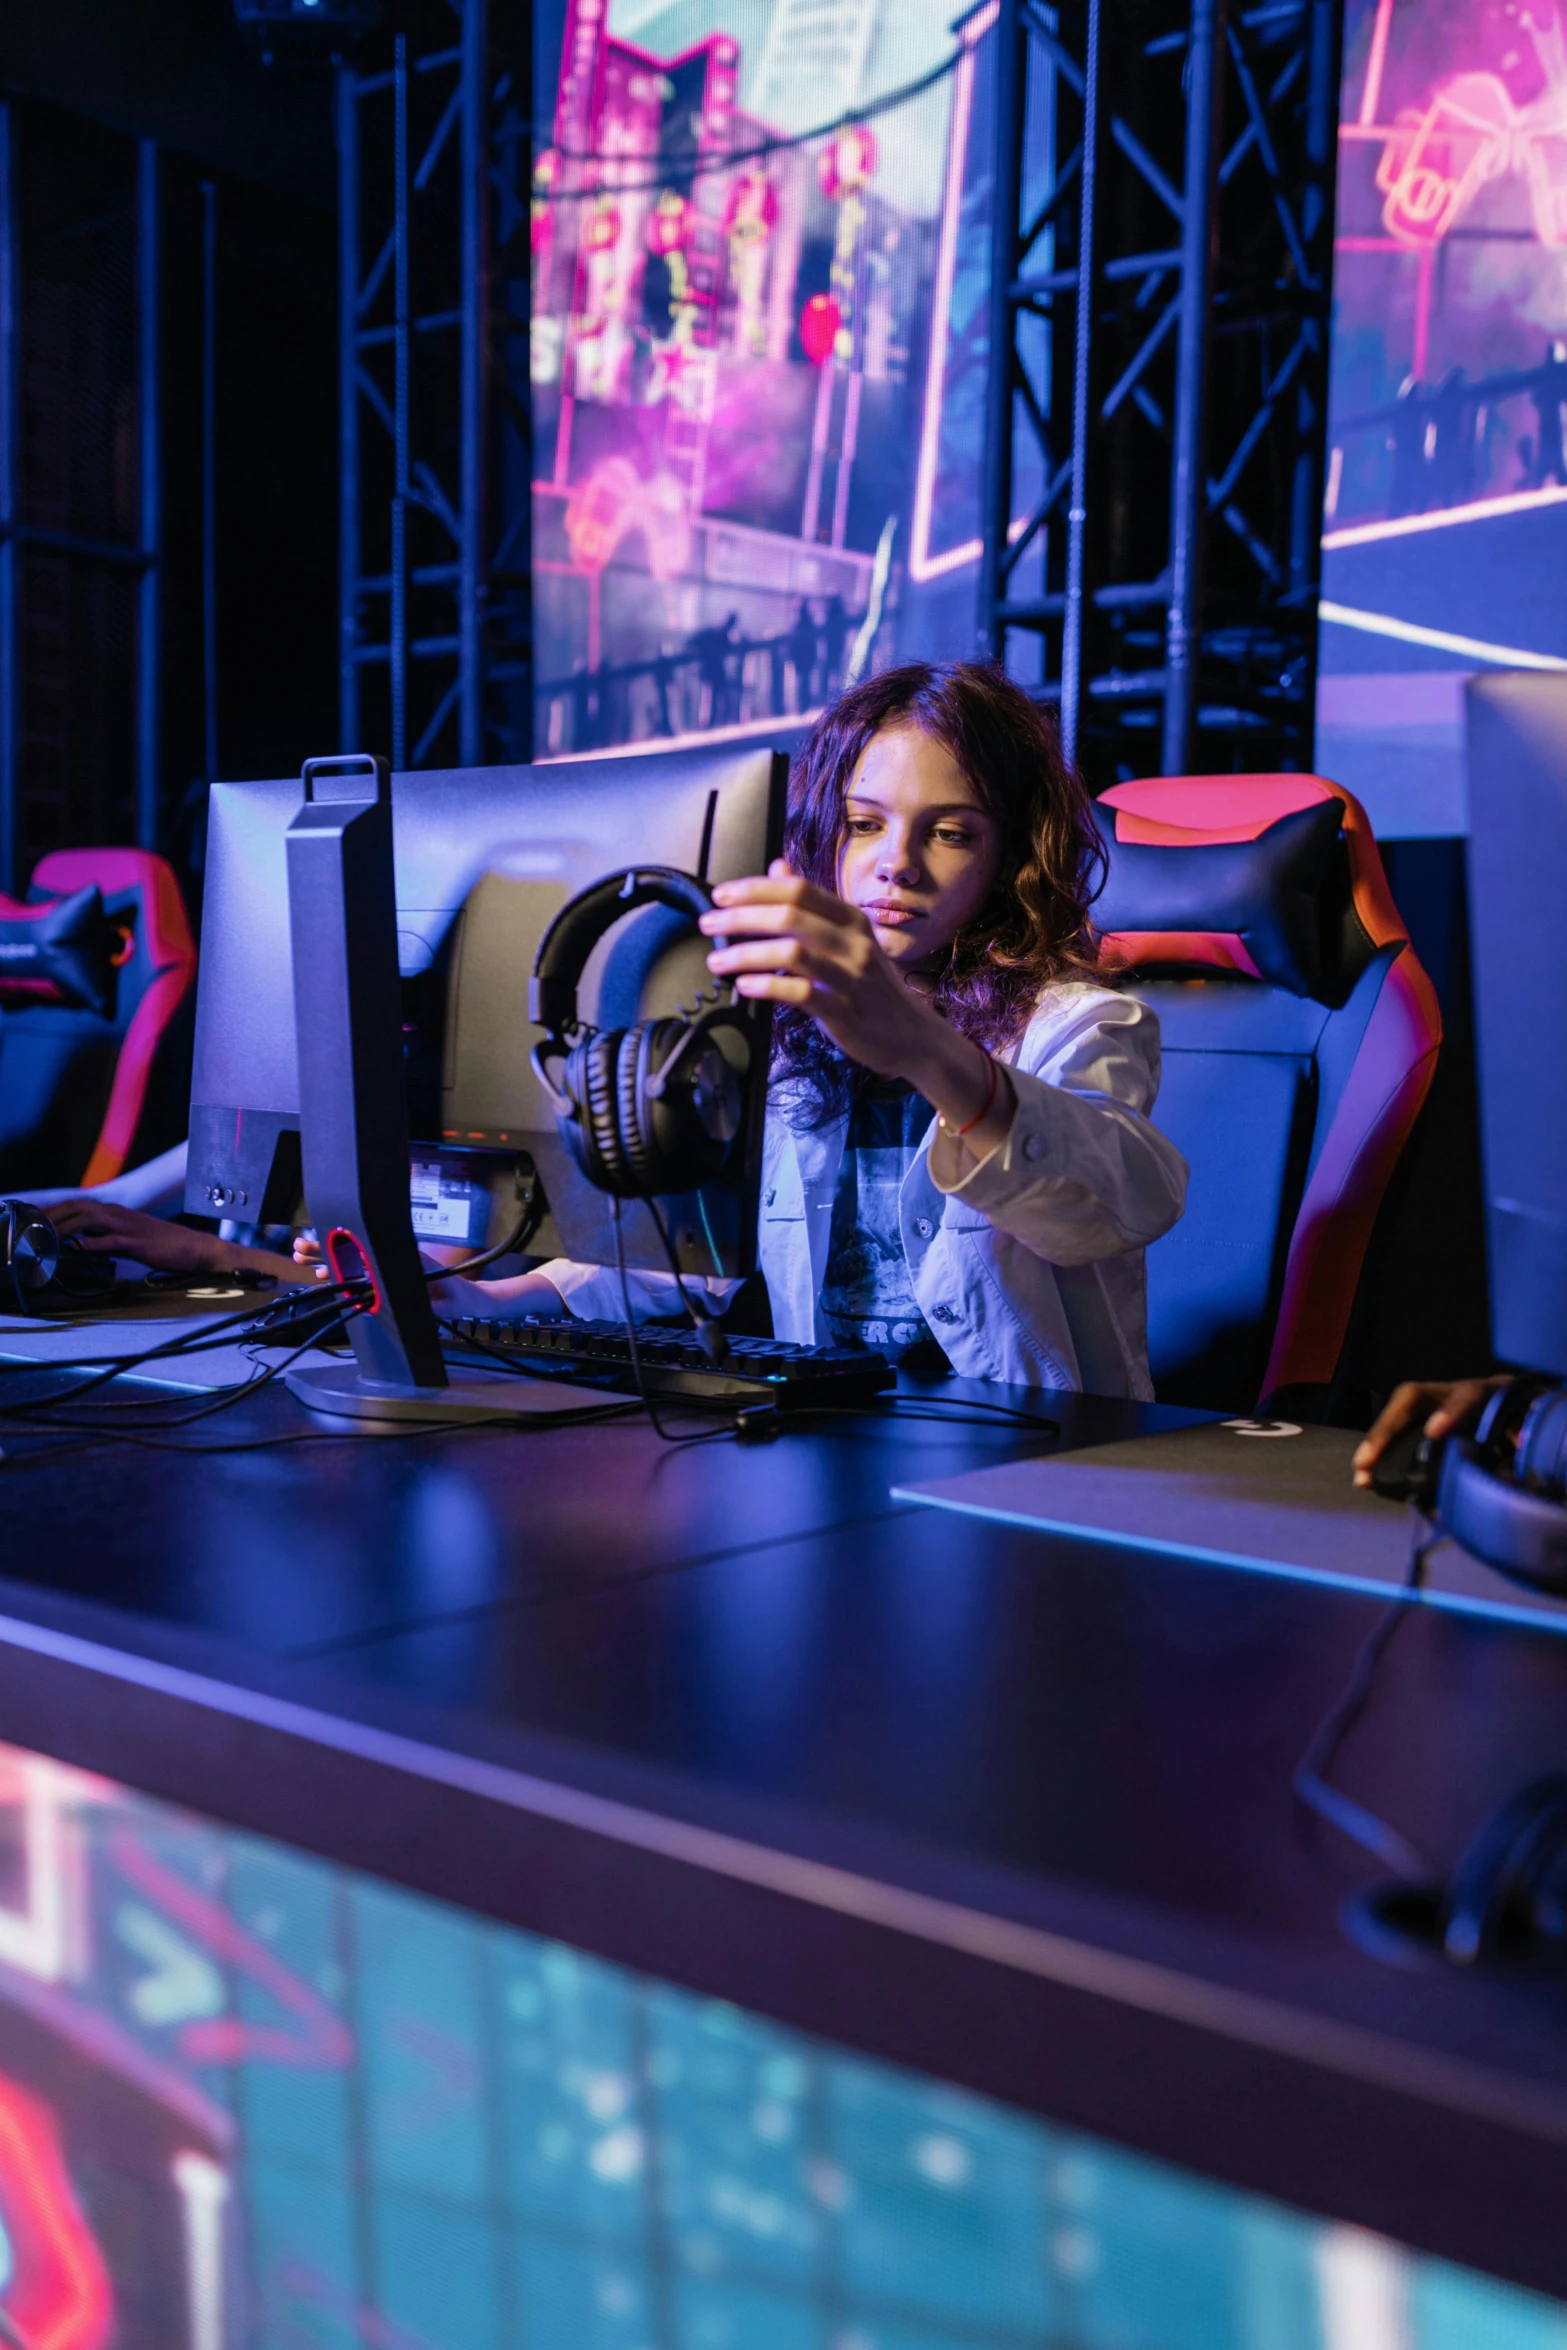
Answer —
867 1293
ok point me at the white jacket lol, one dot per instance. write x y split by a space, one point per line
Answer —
1028 1263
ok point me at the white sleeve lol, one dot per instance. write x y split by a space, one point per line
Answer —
591 1293
1082 1173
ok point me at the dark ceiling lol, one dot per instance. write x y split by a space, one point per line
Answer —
177 71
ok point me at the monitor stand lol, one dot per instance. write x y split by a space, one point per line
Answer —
353 1115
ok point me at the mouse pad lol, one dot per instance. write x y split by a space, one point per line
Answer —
1263 1495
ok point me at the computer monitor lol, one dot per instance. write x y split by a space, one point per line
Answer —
485 858
1518 929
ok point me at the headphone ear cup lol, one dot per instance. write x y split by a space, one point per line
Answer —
601 1105
572 1125
581 1131
633 1107
29 1248
1541 1461
677 1150
1501 1891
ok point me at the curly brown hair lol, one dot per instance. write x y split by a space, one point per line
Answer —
1033 928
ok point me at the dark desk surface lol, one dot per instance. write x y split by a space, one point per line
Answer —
998 1806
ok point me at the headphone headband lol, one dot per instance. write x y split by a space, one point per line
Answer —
578 927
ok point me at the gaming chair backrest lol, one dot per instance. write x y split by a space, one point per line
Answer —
84 1091
1300 1037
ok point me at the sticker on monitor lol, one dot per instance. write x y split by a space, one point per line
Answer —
442 1202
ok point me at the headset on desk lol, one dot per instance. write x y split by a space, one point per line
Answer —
1502 1495
37 1262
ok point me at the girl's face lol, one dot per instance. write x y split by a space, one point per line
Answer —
918 854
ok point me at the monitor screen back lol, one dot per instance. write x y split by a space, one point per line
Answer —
1518 924
485 858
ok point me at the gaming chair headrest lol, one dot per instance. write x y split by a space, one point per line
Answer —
1274 877
60 950
577 929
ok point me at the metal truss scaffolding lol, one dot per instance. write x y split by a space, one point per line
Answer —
1162 248
434 612
30 533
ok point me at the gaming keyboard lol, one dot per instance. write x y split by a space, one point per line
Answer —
756 1370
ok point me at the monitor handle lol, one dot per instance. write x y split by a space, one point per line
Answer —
346 769
353 1107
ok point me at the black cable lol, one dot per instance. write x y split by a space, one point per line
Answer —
217 1331
141 1443
570 1416
706 1320
259 1322
970 1412
44 1413
703 1435
206 1335
704 1315
197 1335
1310 1778
520 1234
259 1317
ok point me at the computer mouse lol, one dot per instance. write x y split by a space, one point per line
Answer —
1409 1468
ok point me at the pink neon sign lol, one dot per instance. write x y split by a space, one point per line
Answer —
1438 158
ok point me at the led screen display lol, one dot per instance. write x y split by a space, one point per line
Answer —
759 280
1445 540
252 2102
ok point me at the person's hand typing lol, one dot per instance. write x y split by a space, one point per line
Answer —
110 1230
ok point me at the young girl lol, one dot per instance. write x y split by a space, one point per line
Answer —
958 1162
958 1153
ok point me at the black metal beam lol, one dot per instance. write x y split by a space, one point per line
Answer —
1189 436
10 430
434 189
1173 592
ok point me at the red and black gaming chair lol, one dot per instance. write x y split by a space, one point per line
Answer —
97 986
1300 1038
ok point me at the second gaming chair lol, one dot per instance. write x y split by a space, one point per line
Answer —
94 1050
1300 1038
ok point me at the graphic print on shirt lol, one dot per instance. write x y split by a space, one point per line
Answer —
867 1291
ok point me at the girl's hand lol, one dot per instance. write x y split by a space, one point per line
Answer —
796 944
801 945
308 1251
520 1294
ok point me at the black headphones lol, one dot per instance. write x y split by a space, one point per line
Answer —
34 1257
1505 1902
647 1109
1501 1493
29 1251
1501 1496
